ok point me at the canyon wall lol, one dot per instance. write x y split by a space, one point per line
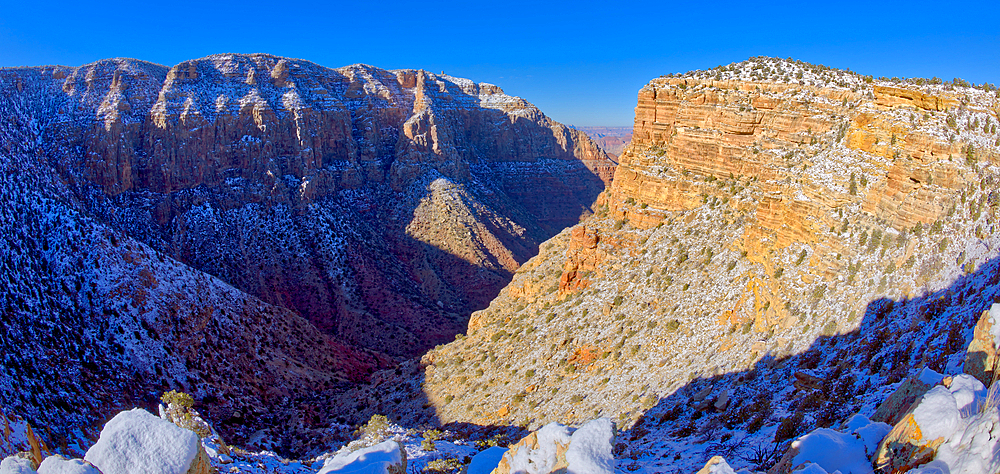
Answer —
260 232
758 226
383 206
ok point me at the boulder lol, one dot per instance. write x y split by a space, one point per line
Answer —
57 464
20 463
556 448
915 438
717 465
898 404
804 381
137 442
981 356
387 457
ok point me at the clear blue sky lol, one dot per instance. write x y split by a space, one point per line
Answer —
580 62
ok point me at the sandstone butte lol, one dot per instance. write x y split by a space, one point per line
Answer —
259 231
760 230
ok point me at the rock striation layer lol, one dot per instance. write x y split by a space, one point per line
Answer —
260 232
382 206
769 251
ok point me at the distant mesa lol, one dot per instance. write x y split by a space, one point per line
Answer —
611 139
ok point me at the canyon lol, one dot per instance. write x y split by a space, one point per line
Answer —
781 248
341 218
772 255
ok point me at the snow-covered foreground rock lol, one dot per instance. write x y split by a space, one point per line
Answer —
558 448
953 428
136 442
61 465
387 457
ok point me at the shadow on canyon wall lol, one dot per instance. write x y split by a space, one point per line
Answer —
894 340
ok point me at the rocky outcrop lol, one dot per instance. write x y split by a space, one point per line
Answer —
748 222
137 442
981 358
258 231
555 449
894 408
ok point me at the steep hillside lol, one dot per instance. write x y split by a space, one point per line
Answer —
259 232
382 206
94 321
769 218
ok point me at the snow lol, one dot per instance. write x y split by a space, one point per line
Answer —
967 390
930 377
810 469
543 458
486 461
60 465
590 448
371 460
16 465
933 467
137 442
995 321
871 433
857 422
833 451
937 414
718 465
970 449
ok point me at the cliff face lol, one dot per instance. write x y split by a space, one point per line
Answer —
258 231
611 139
757 226
383 206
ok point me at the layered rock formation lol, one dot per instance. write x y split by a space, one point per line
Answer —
258 231
319 190
758 228
611 139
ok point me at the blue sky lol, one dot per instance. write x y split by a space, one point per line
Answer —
580 62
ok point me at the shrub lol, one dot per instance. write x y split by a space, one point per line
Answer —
180 399
428 445
788 427
179 411
443 466
376 429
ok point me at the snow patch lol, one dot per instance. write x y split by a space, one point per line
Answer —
930 377
967 390
486 461
937 414
590 448
61 465
833 451
137 442
16 465
371 460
